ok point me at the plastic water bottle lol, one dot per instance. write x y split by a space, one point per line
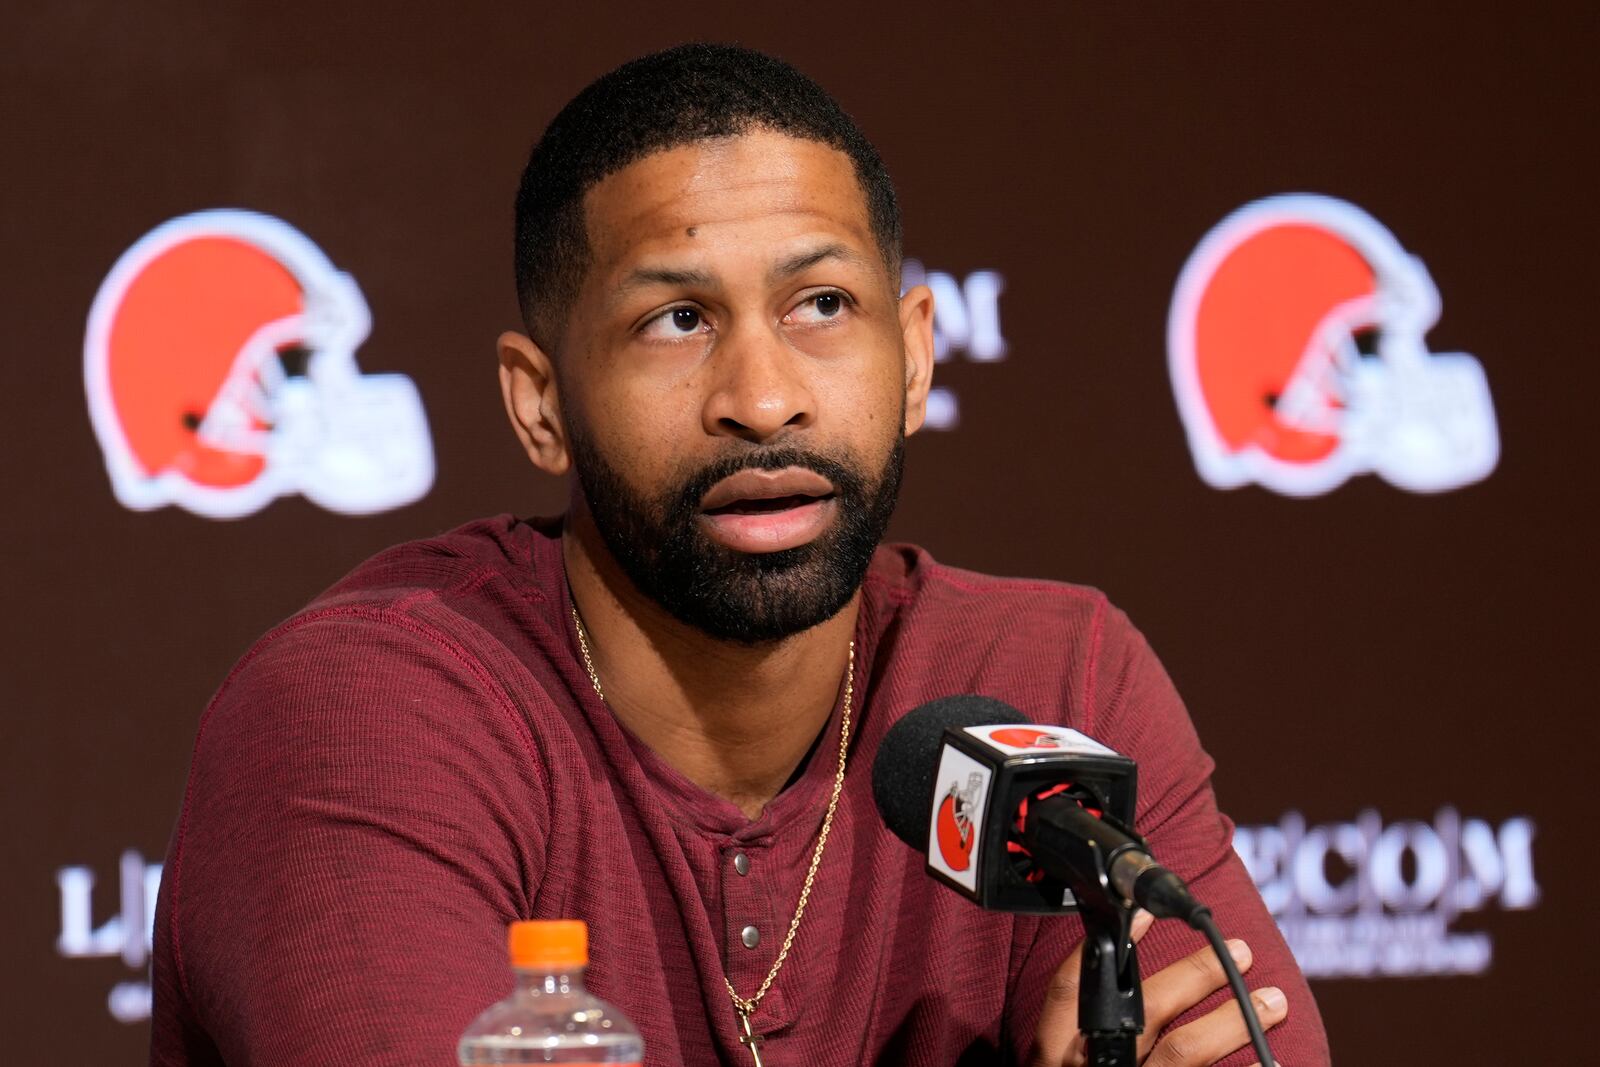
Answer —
549 1017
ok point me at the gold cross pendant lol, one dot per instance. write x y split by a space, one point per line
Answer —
748 1038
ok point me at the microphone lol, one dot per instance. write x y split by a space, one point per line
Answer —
1017 816
1022 817
1063 834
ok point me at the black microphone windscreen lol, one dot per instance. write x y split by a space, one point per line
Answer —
908 757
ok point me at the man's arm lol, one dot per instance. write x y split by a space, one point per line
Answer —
363 815
1128 702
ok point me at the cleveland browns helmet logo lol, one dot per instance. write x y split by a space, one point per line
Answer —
954 822
220 368
1027 737
1296 351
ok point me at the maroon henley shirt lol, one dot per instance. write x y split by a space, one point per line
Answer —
416 759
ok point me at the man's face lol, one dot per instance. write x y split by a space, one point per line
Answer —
733 382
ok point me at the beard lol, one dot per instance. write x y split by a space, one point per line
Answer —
748 597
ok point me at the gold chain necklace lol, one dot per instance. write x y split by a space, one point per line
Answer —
745 1007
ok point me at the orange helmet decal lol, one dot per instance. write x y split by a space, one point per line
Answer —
220 372
1295 347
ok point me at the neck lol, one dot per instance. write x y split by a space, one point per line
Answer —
735 719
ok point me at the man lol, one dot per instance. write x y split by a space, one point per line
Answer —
659 716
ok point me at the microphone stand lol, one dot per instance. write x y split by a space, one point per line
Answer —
1110 998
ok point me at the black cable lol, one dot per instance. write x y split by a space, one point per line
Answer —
1201 920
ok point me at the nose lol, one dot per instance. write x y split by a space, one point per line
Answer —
759 386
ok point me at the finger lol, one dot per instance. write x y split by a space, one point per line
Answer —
1178 987
1142 922
1055 1040
1214 1035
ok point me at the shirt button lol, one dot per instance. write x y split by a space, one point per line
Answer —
741 863
750 936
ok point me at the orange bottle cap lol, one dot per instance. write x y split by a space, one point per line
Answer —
549 943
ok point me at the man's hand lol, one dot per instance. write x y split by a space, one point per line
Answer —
1167 994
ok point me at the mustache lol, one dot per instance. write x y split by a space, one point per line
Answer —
847 480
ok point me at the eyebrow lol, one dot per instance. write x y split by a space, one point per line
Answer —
797 263
640 277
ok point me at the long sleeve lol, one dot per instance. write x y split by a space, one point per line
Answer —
362 798
1128 702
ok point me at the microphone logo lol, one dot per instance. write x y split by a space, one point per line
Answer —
956 821
1018 737
957 817
1023 740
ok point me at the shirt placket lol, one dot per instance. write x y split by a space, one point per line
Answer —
754 925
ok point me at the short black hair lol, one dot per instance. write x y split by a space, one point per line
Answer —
685 94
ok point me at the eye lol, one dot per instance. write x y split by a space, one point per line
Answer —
827 305
674 324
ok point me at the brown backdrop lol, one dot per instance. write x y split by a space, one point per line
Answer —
1363 649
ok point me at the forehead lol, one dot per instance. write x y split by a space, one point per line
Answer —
753 192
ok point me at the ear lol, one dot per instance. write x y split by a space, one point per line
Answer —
528 386
916 333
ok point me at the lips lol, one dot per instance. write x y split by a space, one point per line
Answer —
768 511
763 487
